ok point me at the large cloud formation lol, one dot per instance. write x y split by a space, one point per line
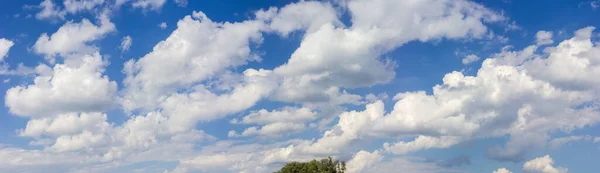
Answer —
197 75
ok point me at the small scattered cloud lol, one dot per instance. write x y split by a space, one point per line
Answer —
470 59
126 43
543 38
162 25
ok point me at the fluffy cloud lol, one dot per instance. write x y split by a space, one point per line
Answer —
406 165
65 124
502 170
510 95
74 6
148 4
543 38
270 130
421 143
288 120
333 56
542 165
76 88
309 16
50 11
286 114
363 161
73 38
190 78
470 59
5 45
178 62
144 4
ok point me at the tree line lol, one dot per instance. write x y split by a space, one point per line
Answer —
326 165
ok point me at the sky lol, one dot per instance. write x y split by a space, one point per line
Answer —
418 86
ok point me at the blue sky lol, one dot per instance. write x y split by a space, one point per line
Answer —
246 86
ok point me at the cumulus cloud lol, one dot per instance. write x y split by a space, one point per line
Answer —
154 5
286 114
182 3
502 170
191 77
543 38
333 56
54 12
275 123
542 165
75 88
148 4
50 11
271 130
421 143
5 45
470 59
74 6
488 104
73 38
309 16
363 161
64 124
178 62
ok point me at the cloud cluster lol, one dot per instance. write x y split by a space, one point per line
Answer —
197 75
5 45
542 165
52 11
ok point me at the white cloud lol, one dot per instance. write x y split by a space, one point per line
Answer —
305 15
197 50
543 38
508 96
502 170
73 38
126 43
556 143
182 3
68 89
75 6
406 165
363 161
185 109
148 4
286 114
5 45
334 56
542 165
287 120
65 124
162 25
186 79
421 143
470 59
271 130
50 11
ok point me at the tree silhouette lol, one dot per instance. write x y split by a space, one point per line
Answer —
326 165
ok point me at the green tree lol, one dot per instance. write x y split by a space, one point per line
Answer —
326 165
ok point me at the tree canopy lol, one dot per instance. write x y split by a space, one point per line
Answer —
326 165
